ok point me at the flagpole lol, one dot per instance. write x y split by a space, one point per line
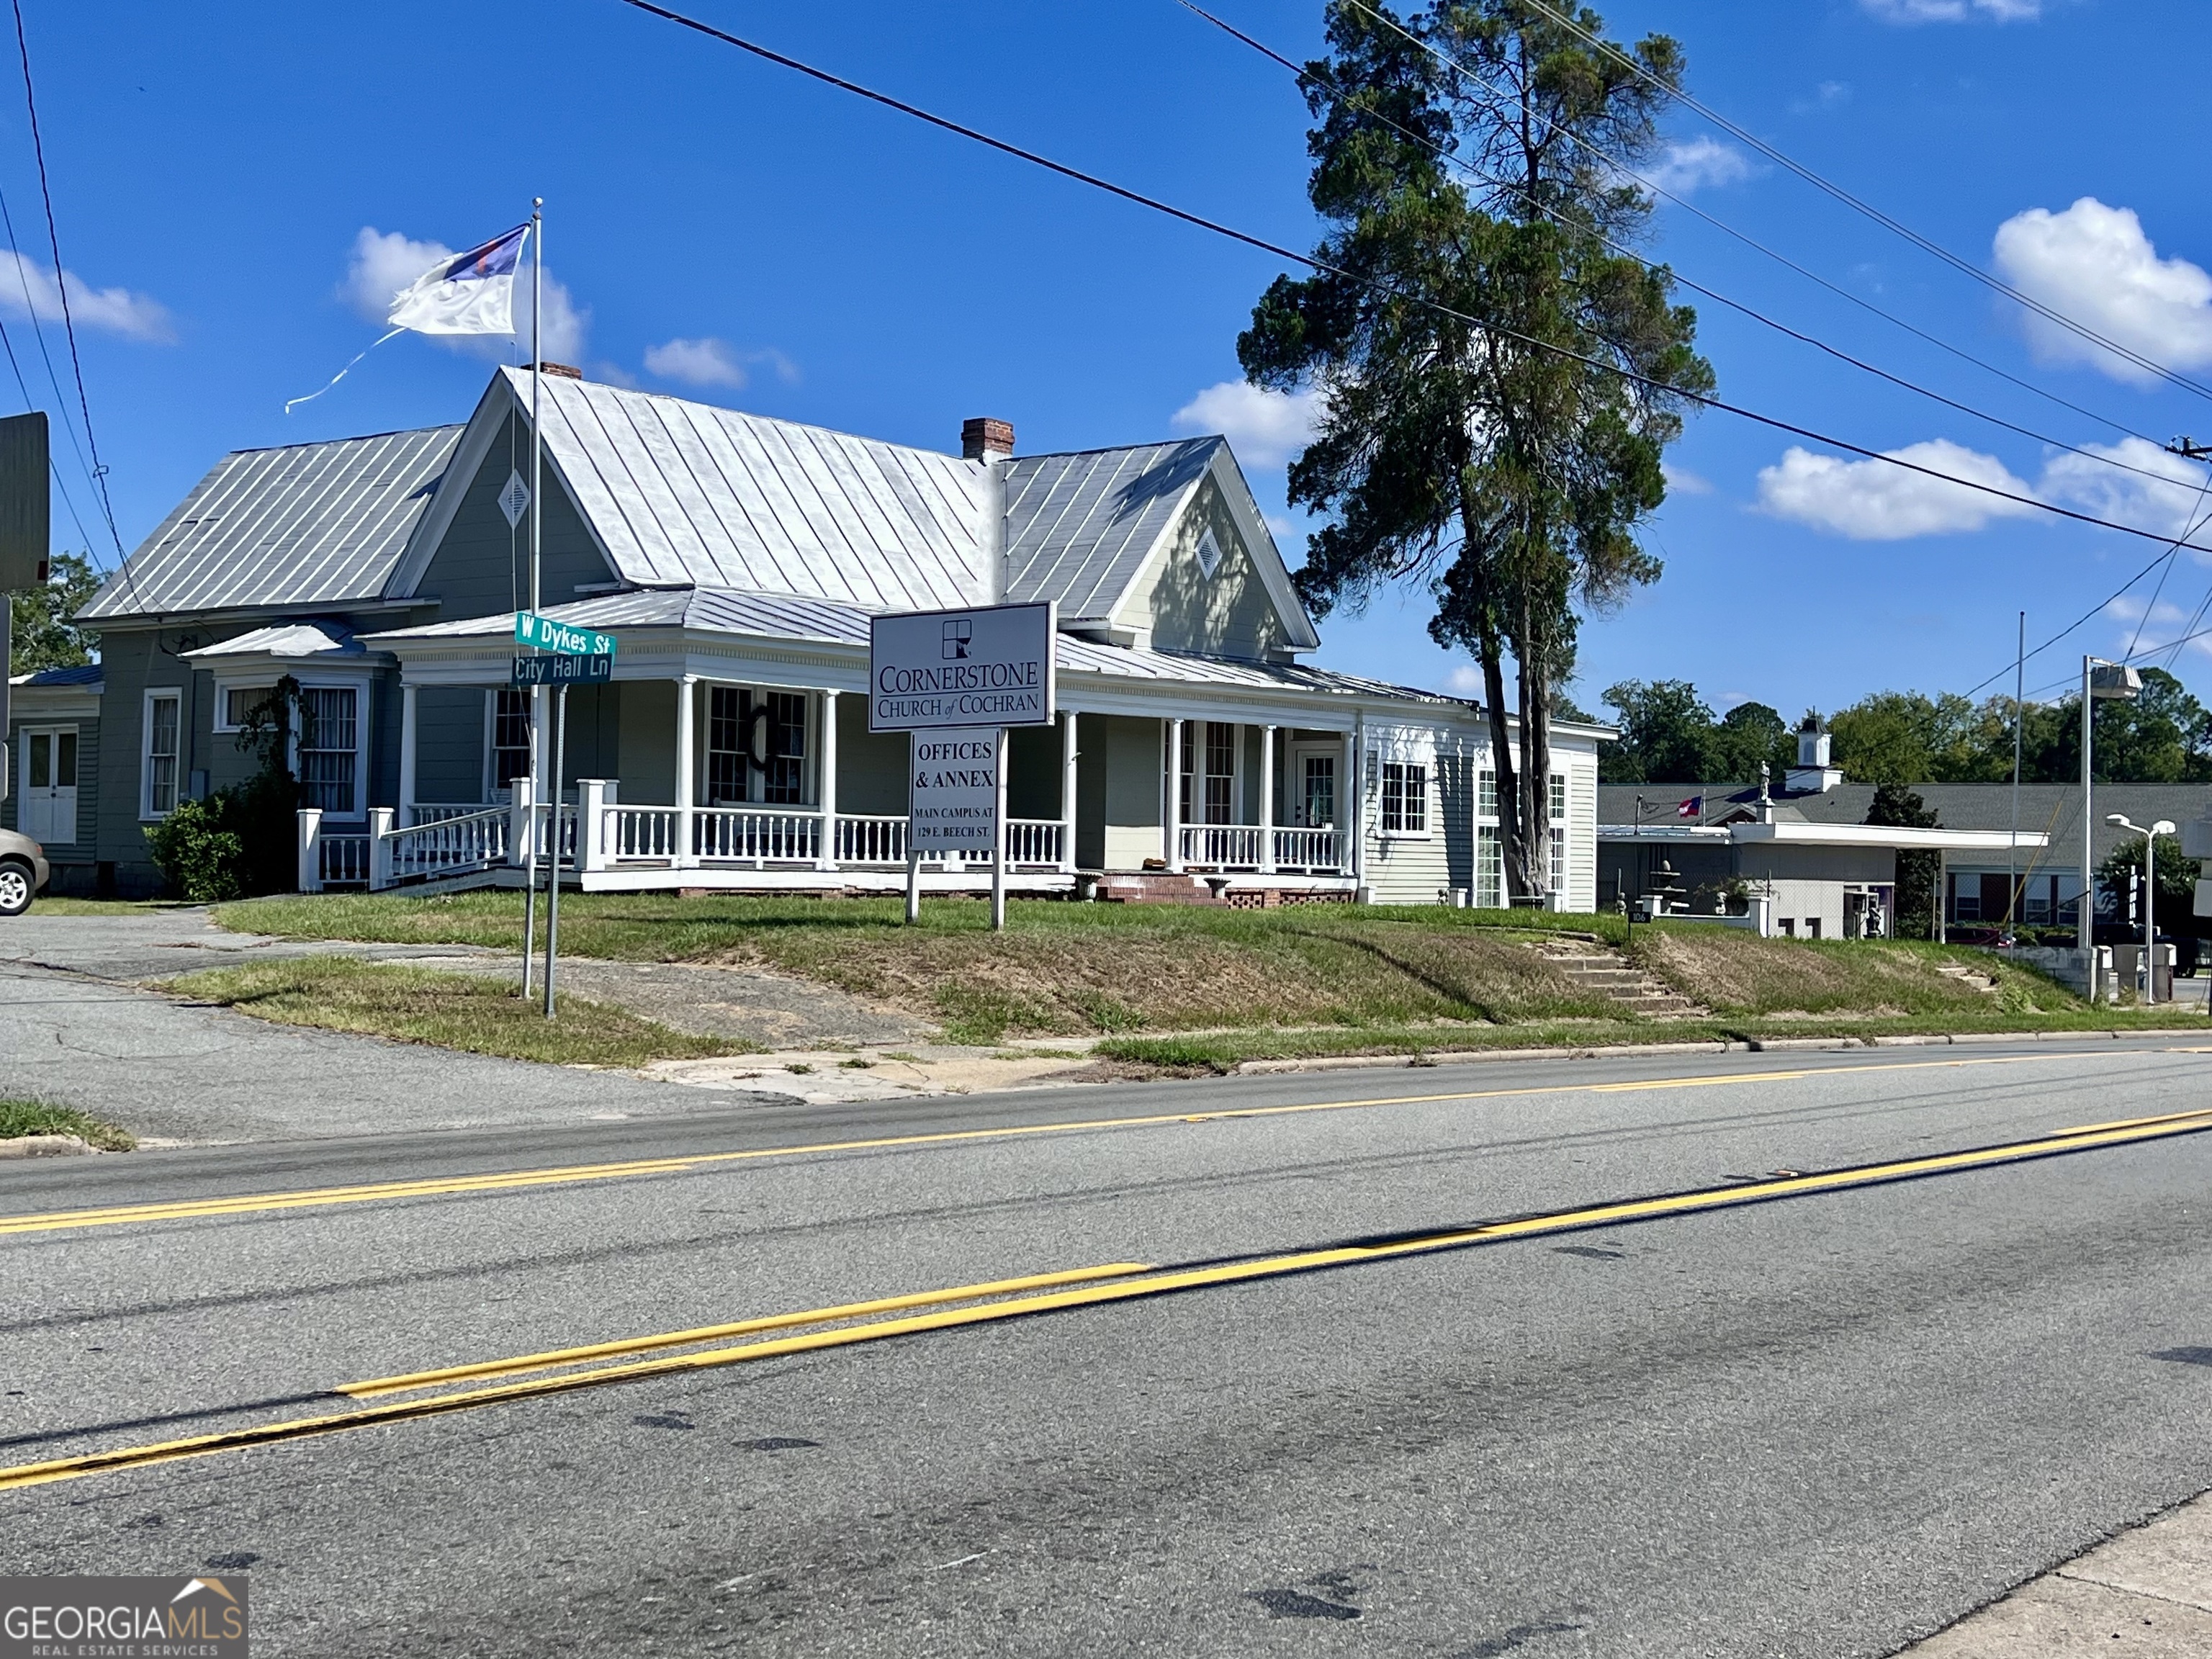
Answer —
536 692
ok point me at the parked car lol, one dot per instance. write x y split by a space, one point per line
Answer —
22 872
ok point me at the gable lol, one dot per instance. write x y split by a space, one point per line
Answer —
1214 581
479 565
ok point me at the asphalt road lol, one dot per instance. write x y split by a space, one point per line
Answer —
1825 1423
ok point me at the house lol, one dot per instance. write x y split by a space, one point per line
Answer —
1810 842
54 796
737 560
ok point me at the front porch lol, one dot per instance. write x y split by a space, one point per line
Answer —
751 786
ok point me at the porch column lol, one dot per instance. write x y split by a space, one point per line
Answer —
406 755
826 857
687 791
1171 808
1266 800
1067 790
1351 811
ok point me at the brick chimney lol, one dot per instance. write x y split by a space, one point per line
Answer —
983 439
566 371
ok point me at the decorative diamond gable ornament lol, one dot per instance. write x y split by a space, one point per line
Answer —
1209 553
514 499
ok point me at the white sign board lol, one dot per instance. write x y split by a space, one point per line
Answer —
955 798
993 666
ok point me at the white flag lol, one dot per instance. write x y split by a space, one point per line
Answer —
471 293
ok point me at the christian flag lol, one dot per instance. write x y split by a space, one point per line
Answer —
470 292
1690 808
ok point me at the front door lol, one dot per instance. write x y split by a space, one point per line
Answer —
1310 790
49 814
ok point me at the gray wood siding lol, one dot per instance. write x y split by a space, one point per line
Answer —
449 743
482 567
1229 613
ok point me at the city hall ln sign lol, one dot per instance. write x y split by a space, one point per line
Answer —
990 666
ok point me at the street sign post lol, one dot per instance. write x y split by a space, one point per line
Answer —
957 680
562 671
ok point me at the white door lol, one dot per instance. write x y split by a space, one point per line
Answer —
49 814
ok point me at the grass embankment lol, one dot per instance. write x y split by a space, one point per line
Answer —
20 1118
475 1012
1188 986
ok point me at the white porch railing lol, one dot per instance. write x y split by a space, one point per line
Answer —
448 845
1222 846
755 835
1309 850
871 840
650 833
1034 842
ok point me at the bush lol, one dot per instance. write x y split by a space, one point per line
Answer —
238 842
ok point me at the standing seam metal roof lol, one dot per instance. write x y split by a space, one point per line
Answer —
1078 526
308 524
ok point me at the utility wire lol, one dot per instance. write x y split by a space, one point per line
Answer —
1927 245
2197 522
1497 330
61 282
1451 158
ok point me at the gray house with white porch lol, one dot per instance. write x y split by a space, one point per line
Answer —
738 559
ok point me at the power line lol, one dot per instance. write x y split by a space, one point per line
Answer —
1927 245
61 284
2195 524
1752 313
1497 330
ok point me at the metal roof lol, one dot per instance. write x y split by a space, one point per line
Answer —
304 639
308 524
683 493
768 615
90 673
1078 526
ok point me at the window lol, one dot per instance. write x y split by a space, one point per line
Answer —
1556 864
510 738
752 732
235 712
1558 798
1812 928
163 733
1489 870
1212 742
330 749
1405 800
1788 927
1486 795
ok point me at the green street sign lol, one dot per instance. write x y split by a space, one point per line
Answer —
546 634
562 671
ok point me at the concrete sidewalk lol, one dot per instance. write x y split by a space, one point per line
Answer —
2146 1594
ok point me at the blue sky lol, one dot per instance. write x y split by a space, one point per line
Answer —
231 179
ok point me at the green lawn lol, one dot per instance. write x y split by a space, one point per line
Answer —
472 1012
19 1118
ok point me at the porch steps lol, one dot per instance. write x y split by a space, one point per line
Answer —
1594 968
1157 887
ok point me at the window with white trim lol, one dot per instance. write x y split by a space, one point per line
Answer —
1489 869
756 733
1405 798
163 752
1486 795
510 737
1558 798
1556 862
235 710
1210 796
330 749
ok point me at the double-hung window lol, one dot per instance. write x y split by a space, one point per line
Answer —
510 738
164 736
1556 864
1405 798
330 749
762 731
1208 795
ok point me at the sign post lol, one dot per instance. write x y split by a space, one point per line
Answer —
25 501
582 656
958 681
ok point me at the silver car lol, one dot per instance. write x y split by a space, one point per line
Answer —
22 872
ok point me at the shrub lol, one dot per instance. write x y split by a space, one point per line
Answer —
241 840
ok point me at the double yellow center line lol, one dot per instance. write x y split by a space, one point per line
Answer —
505 1181
851 1323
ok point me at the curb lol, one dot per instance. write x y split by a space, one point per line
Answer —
44 1146
1615 1051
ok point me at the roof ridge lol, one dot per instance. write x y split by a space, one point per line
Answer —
352 438
1120 449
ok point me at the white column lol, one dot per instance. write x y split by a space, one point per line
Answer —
1349 808
407 753
826 858
522 822
379 846
591 823
1067 756
1172 812
1359 801
1267 801
687 790
311 849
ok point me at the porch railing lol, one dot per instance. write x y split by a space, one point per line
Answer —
1034 841
1222 846
1309 850
650 833
755 835
448 845
871 840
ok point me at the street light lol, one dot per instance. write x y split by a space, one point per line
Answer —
2163 827
2100 678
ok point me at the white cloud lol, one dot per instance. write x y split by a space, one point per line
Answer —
1696 163
711 362
2167 623
1681 481
28 290
1265 429
1954 11
2166 505
1466 680
385 262
2094 264
1870 501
